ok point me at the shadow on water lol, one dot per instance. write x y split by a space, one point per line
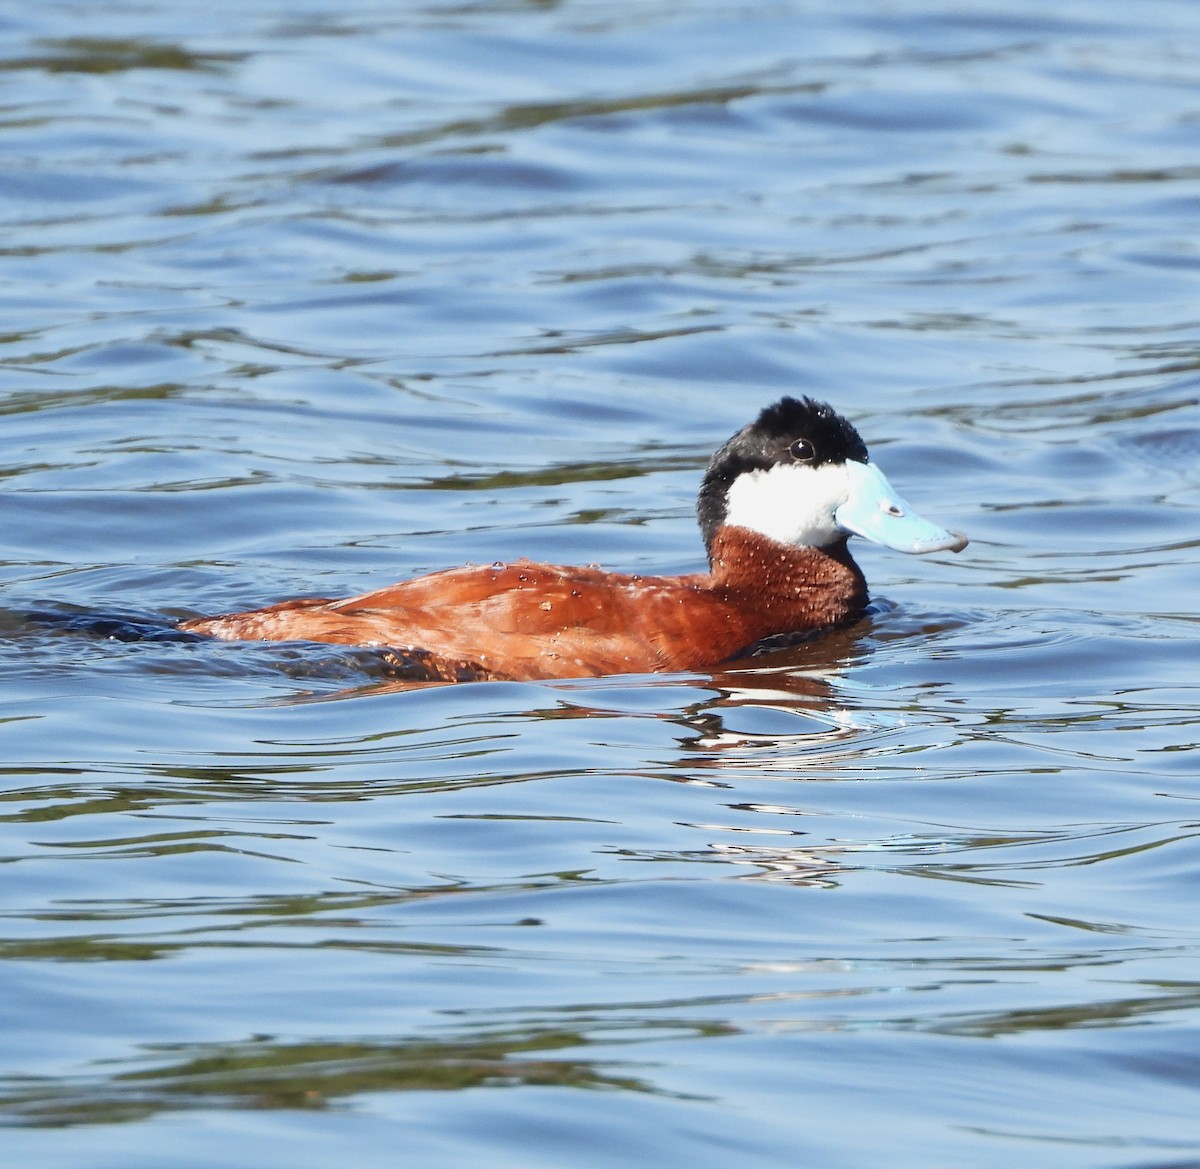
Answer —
113 55
263 1074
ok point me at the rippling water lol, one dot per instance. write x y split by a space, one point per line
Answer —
304 299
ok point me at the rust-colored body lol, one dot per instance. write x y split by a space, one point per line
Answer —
525 620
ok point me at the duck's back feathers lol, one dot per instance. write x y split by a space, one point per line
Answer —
526 620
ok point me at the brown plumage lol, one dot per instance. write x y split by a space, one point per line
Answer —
524 620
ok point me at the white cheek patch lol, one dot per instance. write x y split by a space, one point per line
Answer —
790 503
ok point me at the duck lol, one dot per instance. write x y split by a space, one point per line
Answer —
777 506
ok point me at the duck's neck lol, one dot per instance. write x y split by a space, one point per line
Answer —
806 587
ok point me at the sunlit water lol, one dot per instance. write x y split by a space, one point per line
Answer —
304 299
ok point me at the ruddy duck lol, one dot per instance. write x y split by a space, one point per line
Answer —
777 504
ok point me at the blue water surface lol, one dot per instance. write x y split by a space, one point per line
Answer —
302 298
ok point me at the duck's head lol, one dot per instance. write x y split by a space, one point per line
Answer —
799 474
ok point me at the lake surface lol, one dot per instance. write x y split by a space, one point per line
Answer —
305 298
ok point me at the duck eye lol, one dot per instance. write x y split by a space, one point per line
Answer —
802 451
